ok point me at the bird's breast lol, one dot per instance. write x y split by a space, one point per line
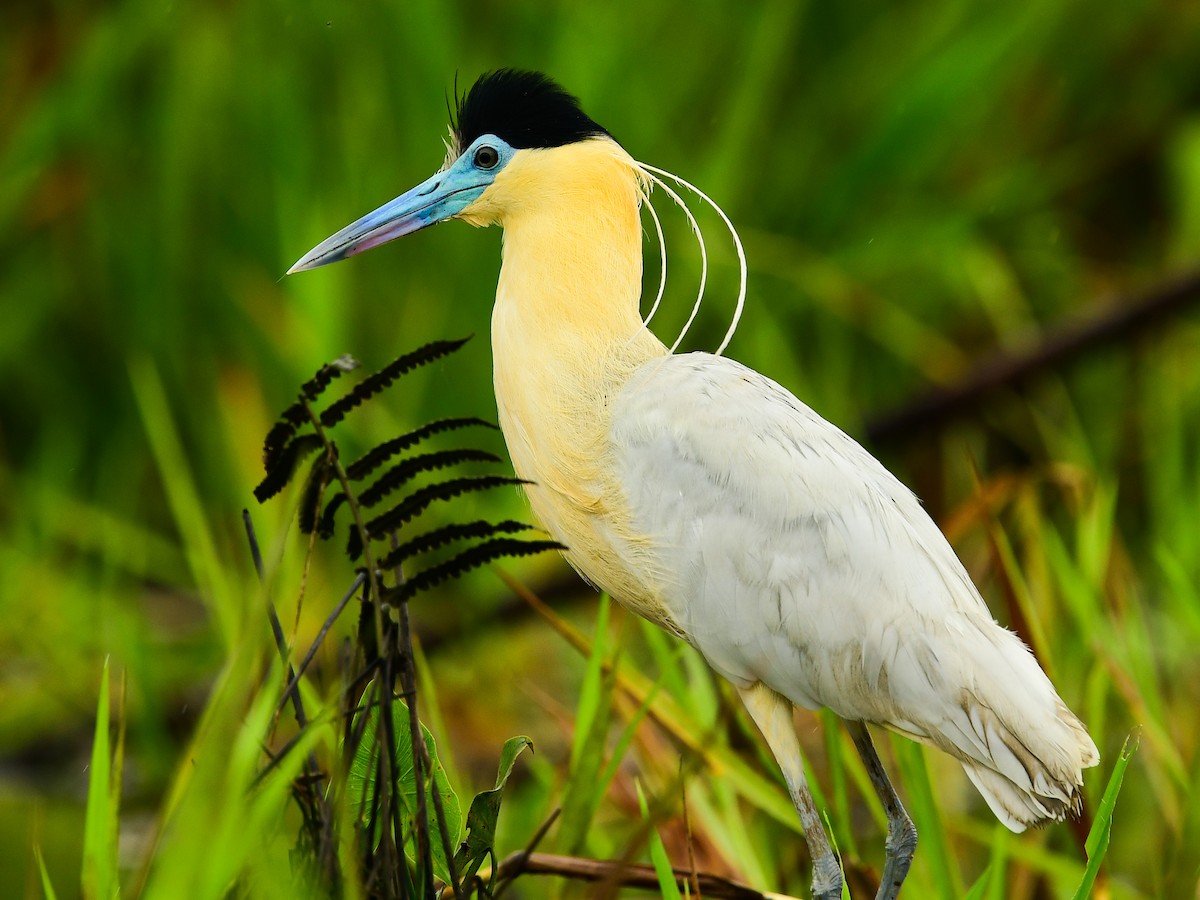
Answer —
554 396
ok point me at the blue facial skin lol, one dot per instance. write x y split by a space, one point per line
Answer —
434 200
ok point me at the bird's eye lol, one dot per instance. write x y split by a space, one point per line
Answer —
486 157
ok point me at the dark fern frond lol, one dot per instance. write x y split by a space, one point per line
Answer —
405 471
471 558
372 385
447 534
354 543
376 456
315 386
284 463
325 524
420 500
310 502
392 482
281 432
296 414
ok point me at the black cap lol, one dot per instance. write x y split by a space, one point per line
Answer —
525 109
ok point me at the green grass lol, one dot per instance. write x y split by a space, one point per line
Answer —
917 185
100 876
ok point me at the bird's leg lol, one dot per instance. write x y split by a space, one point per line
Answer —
772 713
902 833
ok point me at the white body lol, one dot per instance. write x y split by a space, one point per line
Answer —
711 501
792 558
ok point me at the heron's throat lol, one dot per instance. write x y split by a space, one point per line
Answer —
572 241
566 330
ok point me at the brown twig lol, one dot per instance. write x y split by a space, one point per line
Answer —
534 842
1122 317
628 875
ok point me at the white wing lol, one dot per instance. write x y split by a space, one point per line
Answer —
790 556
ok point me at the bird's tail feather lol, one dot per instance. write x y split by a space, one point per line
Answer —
1039 795
1018 742
1023 787
1015 806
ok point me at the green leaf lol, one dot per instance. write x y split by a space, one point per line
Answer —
593 716
47 886
590 692
667 884
360 784
101 824
979 888
1101 833
995 875
485 811
923 807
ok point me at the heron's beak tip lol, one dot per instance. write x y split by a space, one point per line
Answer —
437 199
314 259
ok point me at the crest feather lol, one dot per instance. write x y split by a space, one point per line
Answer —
525 109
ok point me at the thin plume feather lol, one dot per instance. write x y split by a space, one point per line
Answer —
653 173
662 254
699 235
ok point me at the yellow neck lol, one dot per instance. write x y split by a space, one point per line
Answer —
566 331
572 244
566 336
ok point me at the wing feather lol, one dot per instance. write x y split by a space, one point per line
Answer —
789 555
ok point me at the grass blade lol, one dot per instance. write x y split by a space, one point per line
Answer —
980 888
766 794
923 807
99 876
585 788
1100 835
47 885
658 853
184 496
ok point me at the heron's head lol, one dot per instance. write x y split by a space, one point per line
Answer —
514 135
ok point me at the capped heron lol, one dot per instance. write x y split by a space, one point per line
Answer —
706 498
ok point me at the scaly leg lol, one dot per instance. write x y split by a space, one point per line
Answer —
772 713
902 833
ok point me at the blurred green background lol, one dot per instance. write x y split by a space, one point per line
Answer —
919 185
